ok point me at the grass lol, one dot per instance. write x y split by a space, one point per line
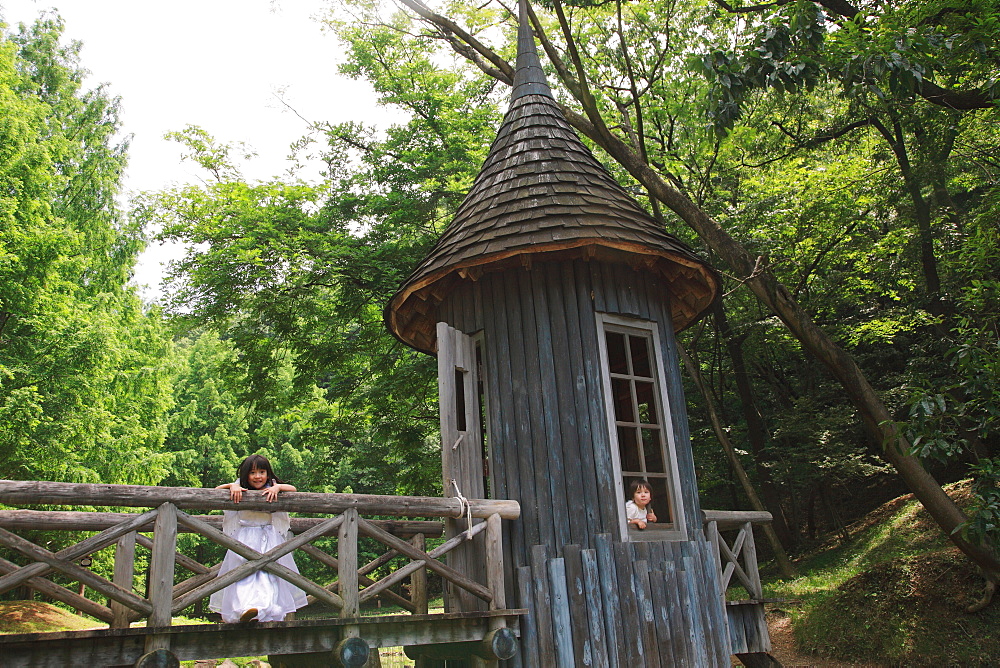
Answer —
38 617
894 596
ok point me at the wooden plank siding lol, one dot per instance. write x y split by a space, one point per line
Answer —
629 604
502 419
461 455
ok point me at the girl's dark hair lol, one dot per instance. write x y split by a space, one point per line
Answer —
637 484
256 462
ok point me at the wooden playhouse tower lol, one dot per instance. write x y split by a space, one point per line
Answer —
551 302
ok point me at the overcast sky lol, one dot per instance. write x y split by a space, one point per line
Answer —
219 64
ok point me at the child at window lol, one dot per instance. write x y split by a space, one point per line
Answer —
638 511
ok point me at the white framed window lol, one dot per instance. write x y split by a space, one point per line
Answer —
641 430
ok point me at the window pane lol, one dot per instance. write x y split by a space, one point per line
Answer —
660 503
640 356
647 402
622 390
616 352
628 449
653 451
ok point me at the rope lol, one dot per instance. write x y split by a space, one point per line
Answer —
467 513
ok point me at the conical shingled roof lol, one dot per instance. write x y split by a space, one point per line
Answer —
541 194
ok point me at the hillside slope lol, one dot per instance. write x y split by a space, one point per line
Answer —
38 617
894 596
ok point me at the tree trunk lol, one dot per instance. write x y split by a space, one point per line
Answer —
832 514
784 565
921 212
755 429
811 515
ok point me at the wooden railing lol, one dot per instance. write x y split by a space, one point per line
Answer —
167 515
738 558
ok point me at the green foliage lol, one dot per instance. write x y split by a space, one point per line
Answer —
782 56
292 278
879 55
207 427
84 371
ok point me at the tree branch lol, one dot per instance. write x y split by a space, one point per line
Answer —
504 72
962 100
550 51
824 137
751 8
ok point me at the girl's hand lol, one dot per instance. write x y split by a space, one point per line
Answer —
650 516
271 493
639 524
236 493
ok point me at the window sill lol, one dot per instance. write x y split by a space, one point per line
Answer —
655 532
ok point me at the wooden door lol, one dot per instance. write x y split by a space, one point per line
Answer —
461 451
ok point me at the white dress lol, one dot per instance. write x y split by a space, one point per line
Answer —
272 596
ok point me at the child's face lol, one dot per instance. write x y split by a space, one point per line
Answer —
641 497
257 478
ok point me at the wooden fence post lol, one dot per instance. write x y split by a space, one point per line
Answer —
750 562
418 580
347 555
161 574
124 573
494 563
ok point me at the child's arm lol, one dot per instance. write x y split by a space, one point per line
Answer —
639 523
271 493
650 515
235 491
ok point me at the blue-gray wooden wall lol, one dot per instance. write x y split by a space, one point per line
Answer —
547 421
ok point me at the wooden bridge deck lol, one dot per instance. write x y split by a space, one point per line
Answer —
124 647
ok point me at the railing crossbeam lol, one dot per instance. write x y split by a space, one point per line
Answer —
52 590
74 552
180 559
50 561
743 546
418 565
256 561
443 570
327 560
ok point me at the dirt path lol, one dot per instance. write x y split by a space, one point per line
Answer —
783 648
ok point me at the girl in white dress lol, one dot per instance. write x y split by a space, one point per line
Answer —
260 596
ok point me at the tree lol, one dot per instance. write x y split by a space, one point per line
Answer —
84 367
207 428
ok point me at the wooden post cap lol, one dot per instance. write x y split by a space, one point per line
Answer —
158 658
500 643
351 652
